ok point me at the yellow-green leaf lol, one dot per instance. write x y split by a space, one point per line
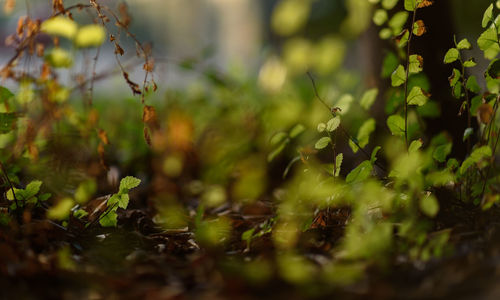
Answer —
60 26
92 35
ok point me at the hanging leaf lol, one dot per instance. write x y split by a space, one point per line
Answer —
494 69
398 77
472 84
380 17
469 63
414 146
321 127
454 77
402 38
487 39
397 21
396 125
333 123
364 132
464 44
419 28
451 56
417 96
389 4
416 63
467 133
368 98
60 26
476 156
441 152
92 35
429 205
487 16
410 5
322 143
338 164
360 173
484 113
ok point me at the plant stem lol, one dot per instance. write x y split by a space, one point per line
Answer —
410 35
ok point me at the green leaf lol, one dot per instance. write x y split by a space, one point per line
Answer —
475 103
321 127
368 98
457 91
296 130
92 35
467 133
398 77
454 77
416 63
402 38
469 63
276 152
410 5
360 173
396 125
451 56
59 58
278 138
476 156
464 44
60 26
61 210
32 188
338 164
80 213
487 39
380 17
7 122
129 183
441 152
389 64
322 143
385 34
494 69
389 4
487 16
5 94
109 220
417 96
333 124
123 201
472 84
85 190
344 103
247 235
414 146
373 157
364 132
429 205
397 21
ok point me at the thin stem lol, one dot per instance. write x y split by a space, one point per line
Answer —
407 75
10 184
340 125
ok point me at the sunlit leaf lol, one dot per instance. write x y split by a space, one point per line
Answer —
364 132
464 44
429 205
59 58
61 210
451 56
396 124
417 96
472 84
467 133
487 39
338 163
487 16
414 146
360 173
92 35
476 156
368 98
380 17
60 26
109 220
129 182
333 124
469 63
322 143
389 4
289 16
296 130
454 77
398 77
416 63
397 21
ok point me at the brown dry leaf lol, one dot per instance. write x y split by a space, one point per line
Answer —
419 28
40 49
58 6
45 72
484 113
119 50
9 6
149 115
20 26
147 136
425 3
103 136
149 65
